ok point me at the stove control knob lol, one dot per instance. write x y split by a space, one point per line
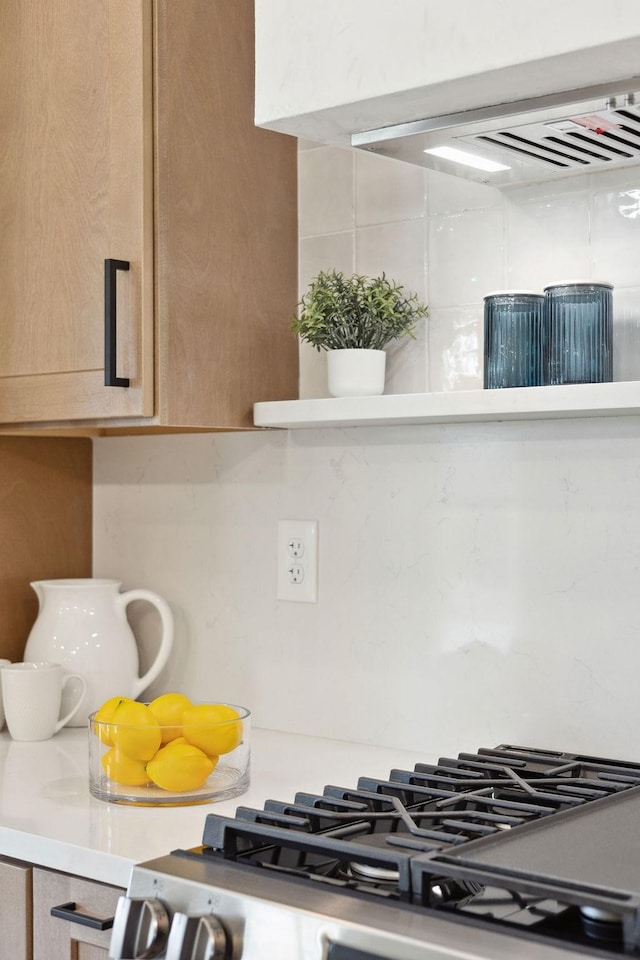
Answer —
140 929
196 938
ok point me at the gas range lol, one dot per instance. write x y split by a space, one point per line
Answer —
509 851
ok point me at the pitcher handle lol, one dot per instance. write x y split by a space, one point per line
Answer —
166 642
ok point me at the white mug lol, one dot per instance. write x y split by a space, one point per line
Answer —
3 663
32 696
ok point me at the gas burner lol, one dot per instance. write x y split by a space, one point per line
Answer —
600 924
482 836
368 872
458 893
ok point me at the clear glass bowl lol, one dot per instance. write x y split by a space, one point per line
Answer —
229 777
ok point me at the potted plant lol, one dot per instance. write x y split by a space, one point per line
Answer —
353 319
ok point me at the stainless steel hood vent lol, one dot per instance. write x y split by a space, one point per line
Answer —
531 140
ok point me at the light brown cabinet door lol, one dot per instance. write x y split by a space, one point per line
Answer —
226 223
127 132
75 189
65 939
15 910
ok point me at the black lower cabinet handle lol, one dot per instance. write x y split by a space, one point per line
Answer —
111 268
68 911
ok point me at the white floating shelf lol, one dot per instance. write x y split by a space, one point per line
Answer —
520 403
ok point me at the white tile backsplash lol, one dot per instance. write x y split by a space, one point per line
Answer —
455 348
466 257
478 583
626 334
447 194
407 364
325 191
548 240
396 249
616 236
385 192
329 251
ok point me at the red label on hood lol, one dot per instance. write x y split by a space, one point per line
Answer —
596 123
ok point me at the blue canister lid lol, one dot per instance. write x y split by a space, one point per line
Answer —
513 293
579 283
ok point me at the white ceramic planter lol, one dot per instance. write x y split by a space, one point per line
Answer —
356 373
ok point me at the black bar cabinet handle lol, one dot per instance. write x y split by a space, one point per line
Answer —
110 284
68 911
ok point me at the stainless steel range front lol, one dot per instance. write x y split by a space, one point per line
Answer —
507 852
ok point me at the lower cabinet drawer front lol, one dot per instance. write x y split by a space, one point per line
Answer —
81 926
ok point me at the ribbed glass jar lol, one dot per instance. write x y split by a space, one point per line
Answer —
513 339
578 322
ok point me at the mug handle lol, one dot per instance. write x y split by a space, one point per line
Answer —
166 641
83 689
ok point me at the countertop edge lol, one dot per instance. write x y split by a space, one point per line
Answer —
49 819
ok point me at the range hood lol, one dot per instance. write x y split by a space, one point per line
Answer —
545 138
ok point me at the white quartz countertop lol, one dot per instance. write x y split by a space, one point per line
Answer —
48 817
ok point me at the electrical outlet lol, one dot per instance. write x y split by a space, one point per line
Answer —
298 560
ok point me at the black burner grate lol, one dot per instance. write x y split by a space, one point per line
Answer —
420 835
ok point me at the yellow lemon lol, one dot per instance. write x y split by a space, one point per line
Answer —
135 732
180 767
168 710
214 727
103 717
123 769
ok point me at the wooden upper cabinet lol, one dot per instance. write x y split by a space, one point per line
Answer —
75 189
126 132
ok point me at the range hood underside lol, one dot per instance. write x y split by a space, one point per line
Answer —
546 138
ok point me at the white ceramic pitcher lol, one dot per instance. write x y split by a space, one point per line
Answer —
82 624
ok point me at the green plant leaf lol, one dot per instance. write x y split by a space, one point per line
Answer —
357 312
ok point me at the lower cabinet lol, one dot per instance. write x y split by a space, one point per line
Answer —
80 928
82 908
16 910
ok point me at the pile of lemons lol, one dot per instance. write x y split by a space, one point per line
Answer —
169 742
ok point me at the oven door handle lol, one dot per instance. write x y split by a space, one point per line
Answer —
69 911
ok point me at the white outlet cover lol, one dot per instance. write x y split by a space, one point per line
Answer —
298 576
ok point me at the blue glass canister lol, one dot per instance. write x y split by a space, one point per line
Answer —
578 324
513 339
